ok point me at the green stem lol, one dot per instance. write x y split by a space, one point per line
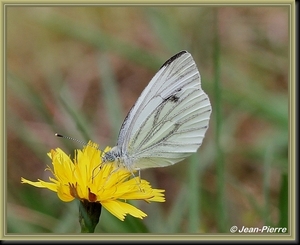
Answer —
89 214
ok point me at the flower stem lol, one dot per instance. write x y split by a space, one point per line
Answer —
89 214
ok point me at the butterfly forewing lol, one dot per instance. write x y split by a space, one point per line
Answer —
157 90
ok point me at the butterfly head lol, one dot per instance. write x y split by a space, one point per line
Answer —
112 155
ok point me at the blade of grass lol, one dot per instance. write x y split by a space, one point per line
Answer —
32 141
177 212
256 207
156 217
168 32
268 105
29 216
79 119
266 184
30 96
221 210
99 40
284 202
110 95
194 195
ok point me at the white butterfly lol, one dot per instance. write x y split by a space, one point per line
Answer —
168 121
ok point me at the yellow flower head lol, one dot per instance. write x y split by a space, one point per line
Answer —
86 178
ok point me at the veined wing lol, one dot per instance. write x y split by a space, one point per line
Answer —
170 118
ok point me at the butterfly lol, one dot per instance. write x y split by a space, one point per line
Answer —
168 121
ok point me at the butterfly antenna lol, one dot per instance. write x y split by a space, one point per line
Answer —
70 138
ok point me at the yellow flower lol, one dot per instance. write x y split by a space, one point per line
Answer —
87 179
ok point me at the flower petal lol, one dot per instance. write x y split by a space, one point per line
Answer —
40 184
121 209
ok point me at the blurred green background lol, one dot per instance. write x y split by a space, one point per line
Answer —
78 70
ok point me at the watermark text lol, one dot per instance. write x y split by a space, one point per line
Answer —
265 228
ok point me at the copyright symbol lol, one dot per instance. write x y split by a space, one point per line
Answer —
233 229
